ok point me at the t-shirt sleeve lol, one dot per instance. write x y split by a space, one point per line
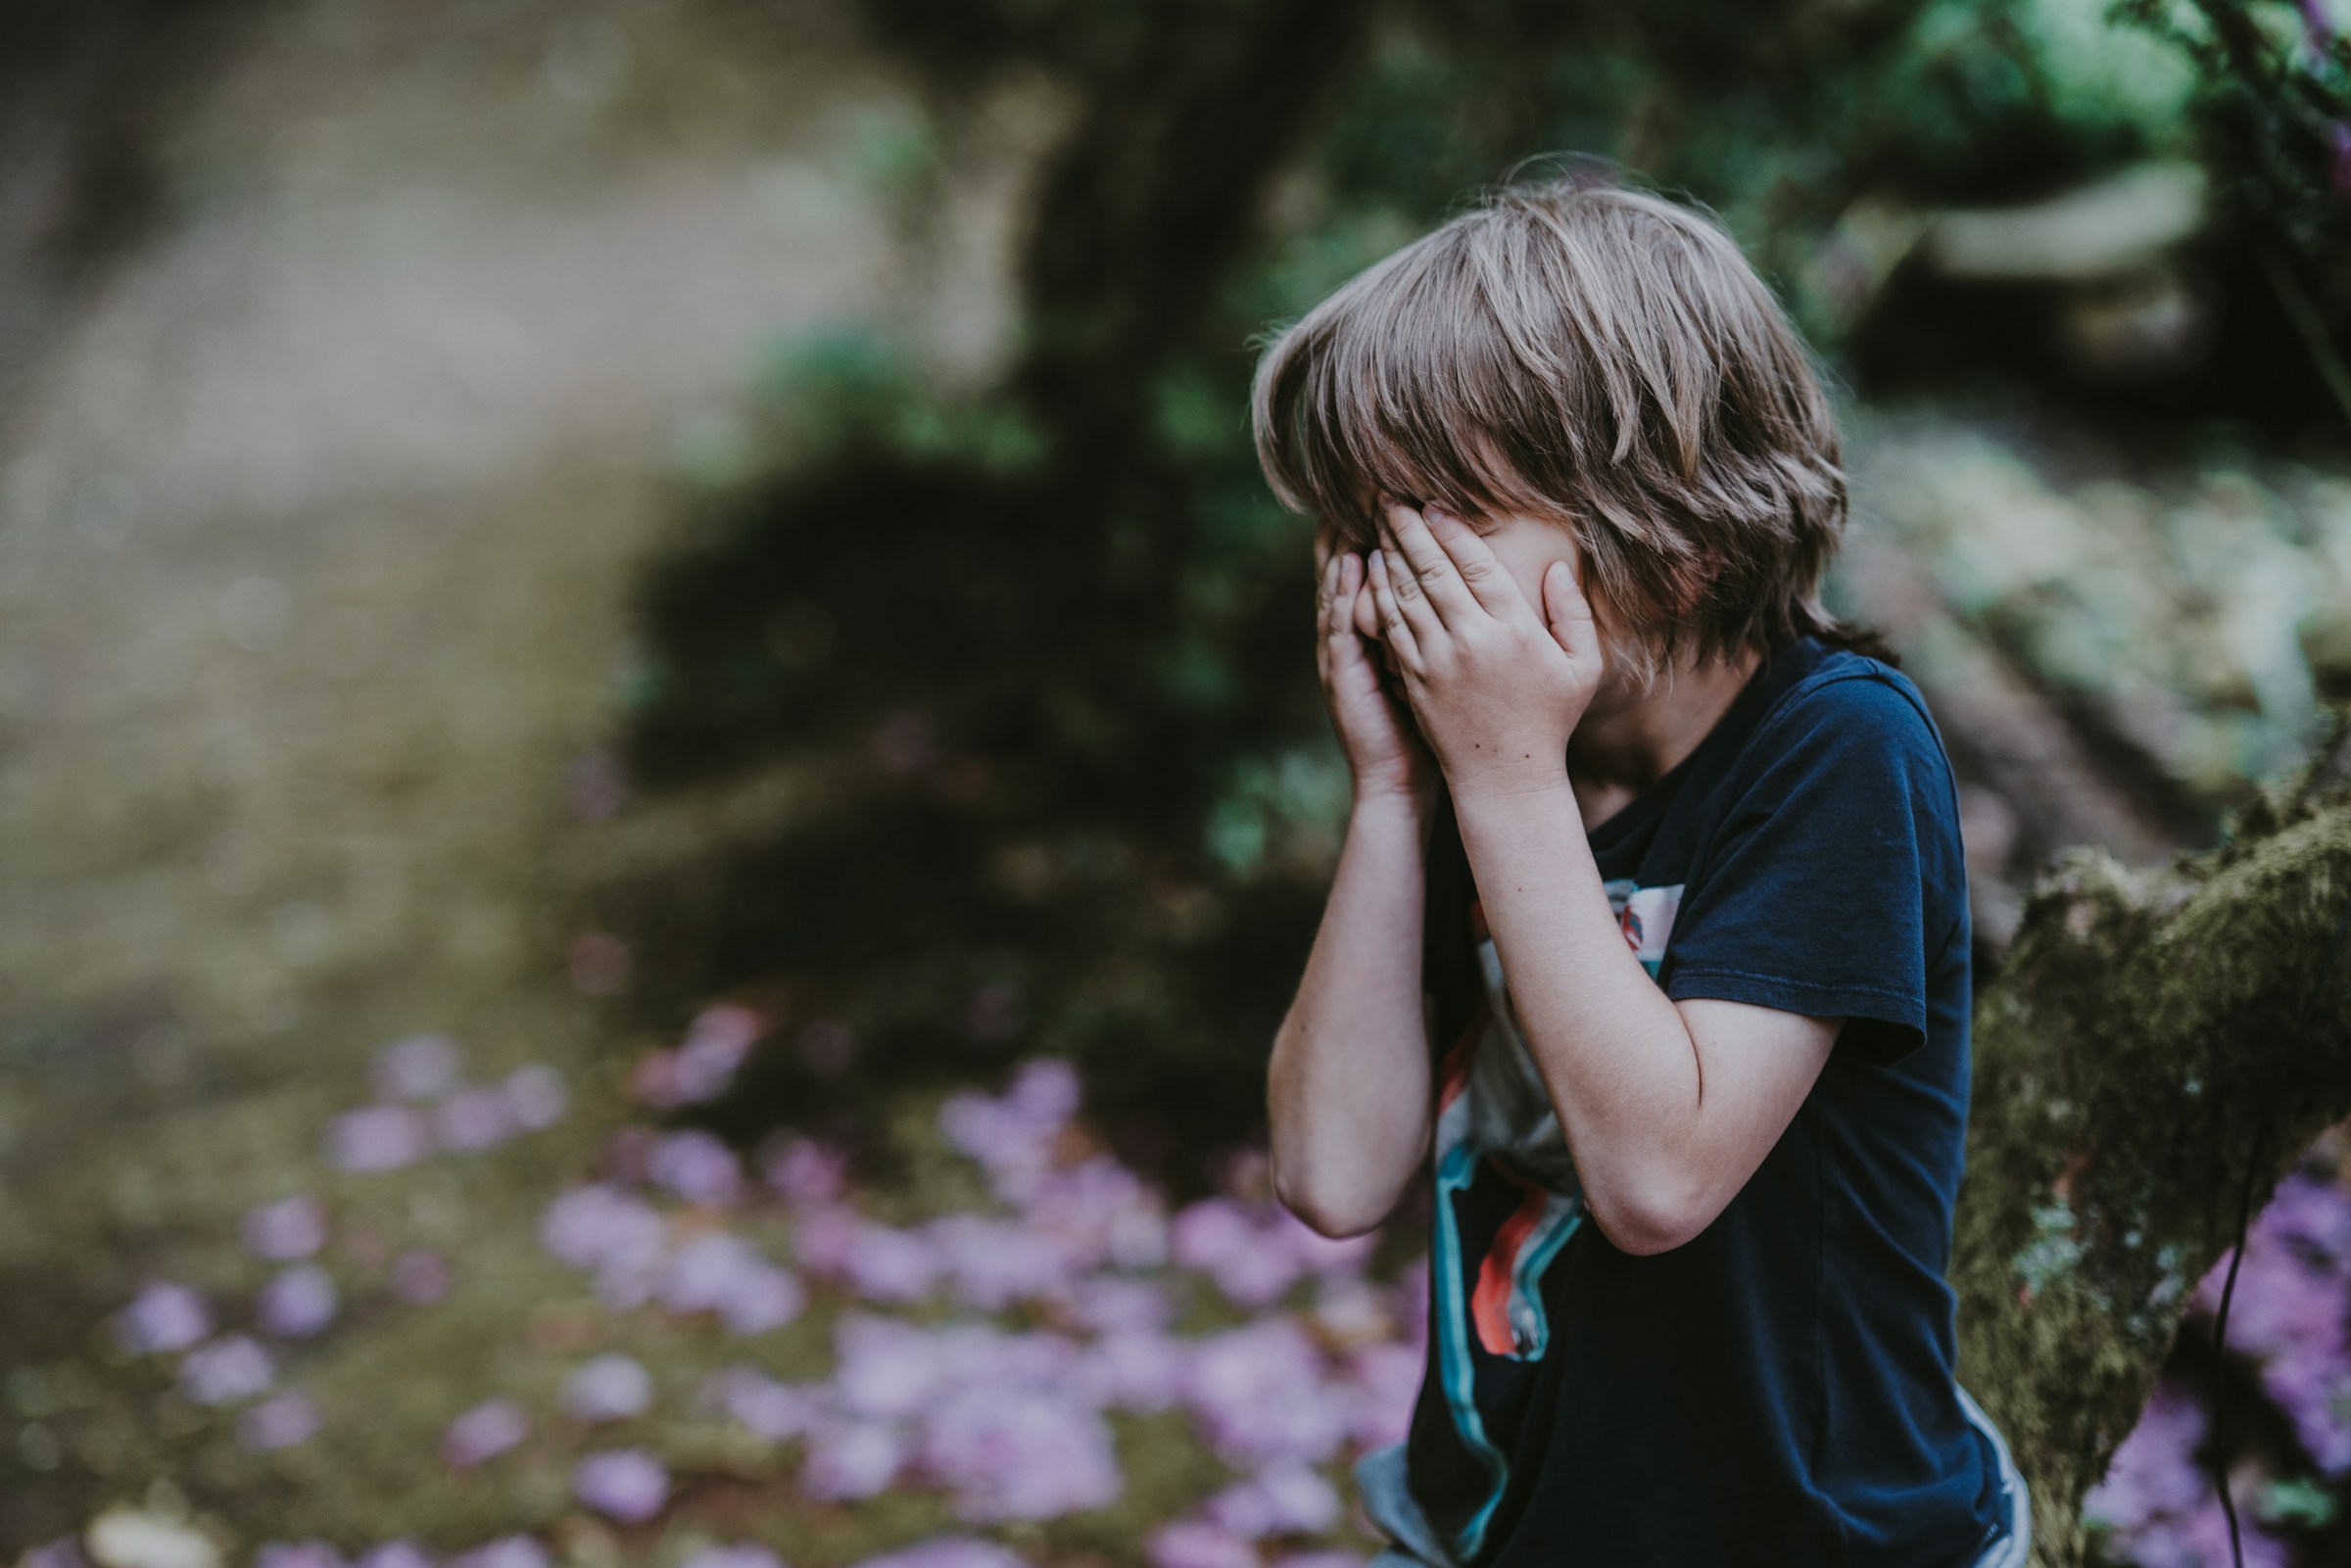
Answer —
1836 875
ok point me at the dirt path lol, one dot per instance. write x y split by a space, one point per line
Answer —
318 522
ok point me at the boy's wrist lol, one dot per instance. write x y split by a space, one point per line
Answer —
1392 806
1505 788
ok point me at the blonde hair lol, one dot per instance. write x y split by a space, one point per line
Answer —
1587 353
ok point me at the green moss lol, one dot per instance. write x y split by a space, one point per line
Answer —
2151 1032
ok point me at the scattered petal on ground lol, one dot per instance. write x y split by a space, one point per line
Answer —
1020 1454
474 1118
484 1432
609 1388
1106 1303
163 1317
1009 1423
299 1303
622 1238
777 1411
536 1096
284 1231
990 1263
1385 1379
886 1264
381 1137
1196 1543
280 1421
226 1372
507 1552
1282 1500
806 1173
949 1551
394 1554
624 1483
721 1272
852 1460
715 1046
1260 1394
1136 1370
698 1167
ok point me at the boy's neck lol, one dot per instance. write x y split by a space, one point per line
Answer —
1627 741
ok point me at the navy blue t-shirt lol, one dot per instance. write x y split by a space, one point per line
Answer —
1780 1389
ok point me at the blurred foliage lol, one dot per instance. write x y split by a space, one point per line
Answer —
2273 106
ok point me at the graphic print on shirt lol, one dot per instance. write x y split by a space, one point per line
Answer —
1495 1118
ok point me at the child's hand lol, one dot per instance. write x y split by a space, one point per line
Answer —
1497 686
1384 752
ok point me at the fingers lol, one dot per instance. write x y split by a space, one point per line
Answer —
1422 571
1335 619
1392 618
1325 544
1568 615
1480 570
1327 590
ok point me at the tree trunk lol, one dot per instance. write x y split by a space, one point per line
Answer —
2160 1048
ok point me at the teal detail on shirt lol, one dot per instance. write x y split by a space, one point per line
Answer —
1453 1347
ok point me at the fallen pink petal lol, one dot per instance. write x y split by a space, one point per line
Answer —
377 1138
483 1433
285 1231
299 1303
227 1371
852 1460
777 1411
1196 1543
536 1096
720 1037
609 1388
473 1119
949 1551
698 1167
393 1555
281 1421
629 1485
163 1317
806 1173
1283 1499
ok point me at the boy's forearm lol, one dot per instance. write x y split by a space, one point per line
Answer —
1620 1064
1348 1086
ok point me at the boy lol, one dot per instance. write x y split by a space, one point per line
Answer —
1694 1163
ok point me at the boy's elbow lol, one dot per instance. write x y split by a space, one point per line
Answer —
1655 1220
1326 1215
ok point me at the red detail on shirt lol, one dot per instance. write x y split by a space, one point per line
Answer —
1490 1302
